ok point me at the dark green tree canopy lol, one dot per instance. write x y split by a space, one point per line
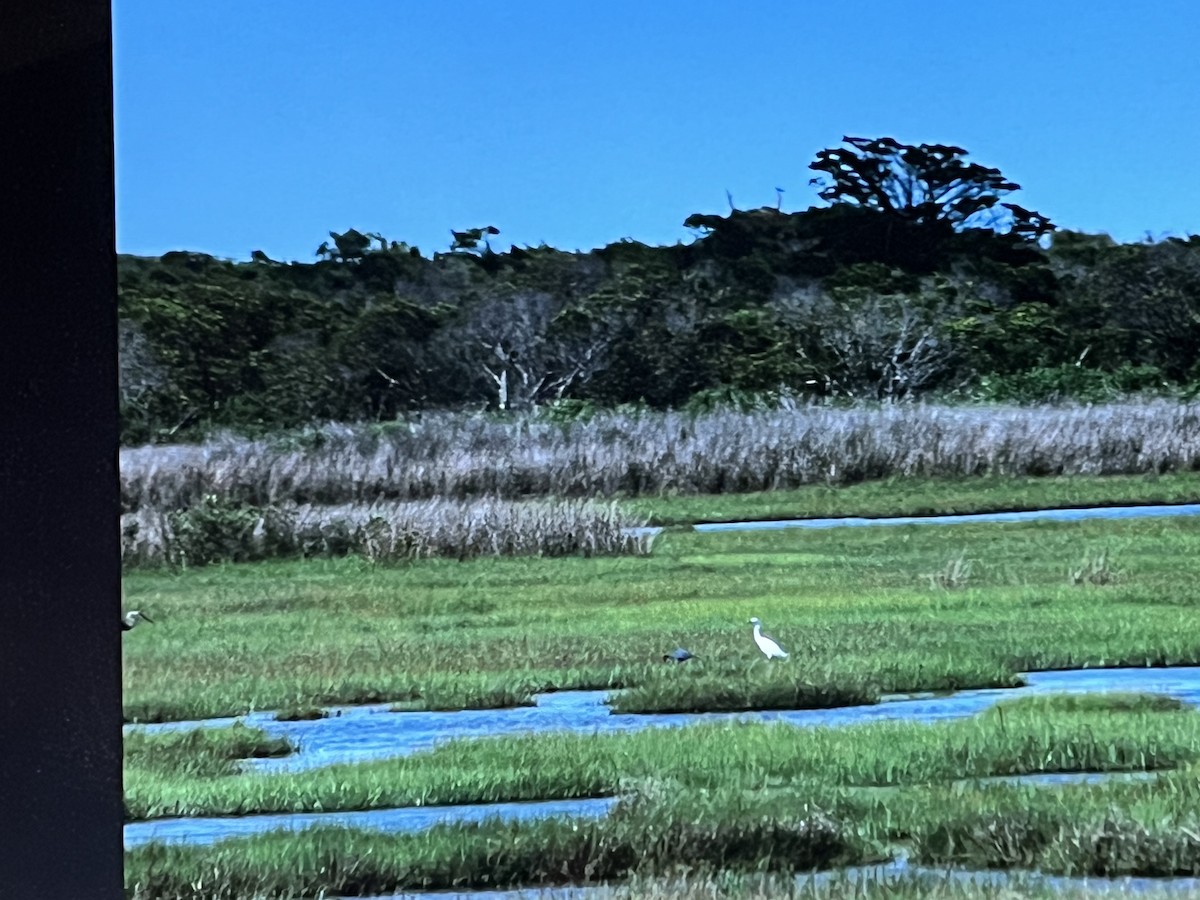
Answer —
350 245
927 184
468 240
917 278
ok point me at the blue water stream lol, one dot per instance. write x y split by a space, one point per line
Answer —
1033 515
208 830
360 733
373 732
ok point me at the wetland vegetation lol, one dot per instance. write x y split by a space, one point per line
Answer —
199 752
854 608
463 532
1025 738
646 453
739 796
468 485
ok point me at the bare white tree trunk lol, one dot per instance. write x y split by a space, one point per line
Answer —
524 358
879 344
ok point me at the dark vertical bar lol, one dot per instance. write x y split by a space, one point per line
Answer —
60 689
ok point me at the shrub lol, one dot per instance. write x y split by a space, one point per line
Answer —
1095 569
1049 384
955 574
215 530
222 530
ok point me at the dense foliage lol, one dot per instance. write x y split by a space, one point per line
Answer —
915 279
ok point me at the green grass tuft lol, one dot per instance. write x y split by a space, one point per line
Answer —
200 752
1038 705
771 687
301 714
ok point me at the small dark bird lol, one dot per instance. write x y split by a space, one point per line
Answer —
132 617
678 655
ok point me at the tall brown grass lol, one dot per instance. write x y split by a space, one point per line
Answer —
459 455
387 531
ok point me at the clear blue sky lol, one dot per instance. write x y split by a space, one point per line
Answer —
264 125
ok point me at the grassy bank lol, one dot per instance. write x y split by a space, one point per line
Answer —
726 685
893 604
201 752
923 497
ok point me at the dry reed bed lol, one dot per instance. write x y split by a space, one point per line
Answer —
614 454
381 531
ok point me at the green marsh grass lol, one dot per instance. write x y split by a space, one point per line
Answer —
200 752
723 843
301 714
1108 830
491 854
847 604
702 757
723 685
1096 568
1110 702
712 800
695 691
922 496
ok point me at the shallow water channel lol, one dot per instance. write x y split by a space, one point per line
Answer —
374 732
1032 515
1073 514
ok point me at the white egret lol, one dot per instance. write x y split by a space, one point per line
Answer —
771 649
132 617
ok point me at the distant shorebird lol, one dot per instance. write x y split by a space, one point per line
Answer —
678 655
771 649
132 617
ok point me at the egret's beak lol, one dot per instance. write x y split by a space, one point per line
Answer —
147 618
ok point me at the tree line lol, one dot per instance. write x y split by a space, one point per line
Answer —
917 278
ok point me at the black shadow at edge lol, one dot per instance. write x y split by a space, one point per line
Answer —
60 771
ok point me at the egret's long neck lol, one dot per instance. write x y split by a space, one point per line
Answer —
757 629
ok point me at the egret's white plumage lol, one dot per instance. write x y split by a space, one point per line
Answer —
132 617
769 648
